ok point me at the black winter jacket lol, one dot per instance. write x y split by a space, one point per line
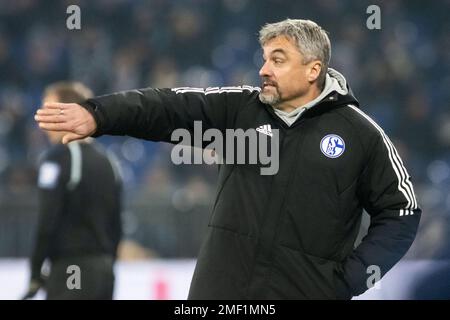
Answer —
290 235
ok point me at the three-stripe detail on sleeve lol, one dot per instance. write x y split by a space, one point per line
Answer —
211 90
404 183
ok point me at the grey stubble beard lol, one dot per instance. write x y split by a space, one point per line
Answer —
270 98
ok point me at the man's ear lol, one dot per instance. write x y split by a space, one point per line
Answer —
314 70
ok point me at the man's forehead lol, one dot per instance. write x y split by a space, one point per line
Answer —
281 44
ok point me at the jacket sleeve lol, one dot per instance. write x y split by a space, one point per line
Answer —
52 181
153 114
387 194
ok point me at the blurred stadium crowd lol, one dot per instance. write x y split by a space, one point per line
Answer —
400 74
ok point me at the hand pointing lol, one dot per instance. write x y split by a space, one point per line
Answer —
71 118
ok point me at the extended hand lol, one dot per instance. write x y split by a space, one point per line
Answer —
69 117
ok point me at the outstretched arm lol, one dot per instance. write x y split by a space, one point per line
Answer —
151 114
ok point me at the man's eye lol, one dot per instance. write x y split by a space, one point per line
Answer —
278 61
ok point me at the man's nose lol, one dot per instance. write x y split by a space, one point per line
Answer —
265 70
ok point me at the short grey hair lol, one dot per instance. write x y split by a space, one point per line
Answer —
312 41
69 91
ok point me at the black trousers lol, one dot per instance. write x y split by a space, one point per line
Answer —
93 274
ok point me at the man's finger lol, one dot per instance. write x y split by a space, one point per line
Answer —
62 126
48 112
55 105
49 118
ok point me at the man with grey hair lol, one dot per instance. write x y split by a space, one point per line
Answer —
290 235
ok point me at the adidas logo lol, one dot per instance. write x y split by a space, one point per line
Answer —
265 129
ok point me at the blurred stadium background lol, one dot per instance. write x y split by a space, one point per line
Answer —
400 74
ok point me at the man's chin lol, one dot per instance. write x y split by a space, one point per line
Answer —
267 98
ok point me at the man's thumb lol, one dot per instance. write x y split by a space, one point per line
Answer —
70 137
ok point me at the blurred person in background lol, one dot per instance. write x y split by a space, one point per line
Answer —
291 235
79 220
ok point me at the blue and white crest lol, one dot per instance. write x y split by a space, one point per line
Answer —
332 145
